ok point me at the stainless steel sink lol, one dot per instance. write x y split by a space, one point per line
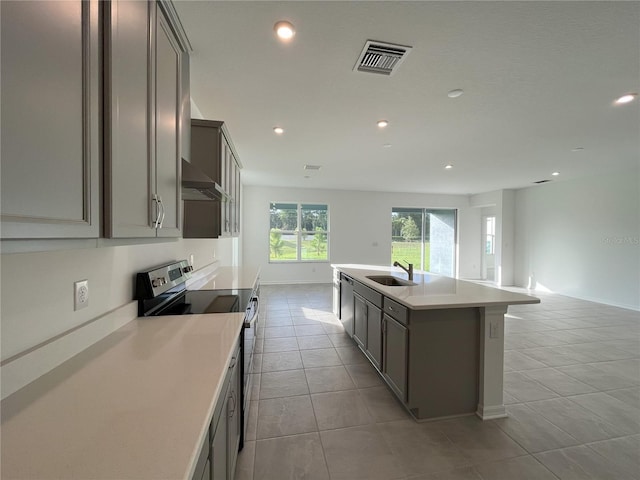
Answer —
390 281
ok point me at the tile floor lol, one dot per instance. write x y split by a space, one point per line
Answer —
320 411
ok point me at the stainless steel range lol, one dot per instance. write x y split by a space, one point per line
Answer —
162 291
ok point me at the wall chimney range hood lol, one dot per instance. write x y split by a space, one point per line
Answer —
198 186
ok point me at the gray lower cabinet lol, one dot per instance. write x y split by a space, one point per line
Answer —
428 358
225 425
368 322
50 130
360 320
202 469
395 345
374 335
144 89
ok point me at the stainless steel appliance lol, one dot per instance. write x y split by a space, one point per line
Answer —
162 291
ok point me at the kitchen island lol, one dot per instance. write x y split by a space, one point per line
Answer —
437 341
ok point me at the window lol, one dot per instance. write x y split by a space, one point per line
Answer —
424 237
299 232
490 236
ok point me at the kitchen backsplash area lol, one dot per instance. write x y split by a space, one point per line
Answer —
37 303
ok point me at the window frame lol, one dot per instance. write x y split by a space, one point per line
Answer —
424 211
300 233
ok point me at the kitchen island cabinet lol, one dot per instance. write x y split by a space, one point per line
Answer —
442 340
50 119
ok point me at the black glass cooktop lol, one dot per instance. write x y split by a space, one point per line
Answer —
208 301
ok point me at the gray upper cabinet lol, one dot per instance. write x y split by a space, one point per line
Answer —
144 120
168 96
50 119
213 153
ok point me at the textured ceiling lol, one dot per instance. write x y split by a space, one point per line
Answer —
539 79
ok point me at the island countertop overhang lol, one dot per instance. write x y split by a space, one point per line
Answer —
433 291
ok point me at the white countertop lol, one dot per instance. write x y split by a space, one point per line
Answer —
434 291
135 405
224 278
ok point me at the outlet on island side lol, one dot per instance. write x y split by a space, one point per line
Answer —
81 294
493 330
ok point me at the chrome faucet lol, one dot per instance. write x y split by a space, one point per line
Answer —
408 270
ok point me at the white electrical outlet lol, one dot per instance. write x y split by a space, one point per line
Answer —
493 330
81 294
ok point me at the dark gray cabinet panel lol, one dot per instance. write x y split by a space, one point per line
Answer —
226 424
374 335
50 119
203 466
234 417
219 446
396 343
360 320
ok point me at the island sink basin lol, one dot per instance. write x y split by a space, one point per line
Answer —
391 281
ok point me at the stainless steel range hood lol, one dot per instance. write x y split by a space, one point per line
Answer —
198 186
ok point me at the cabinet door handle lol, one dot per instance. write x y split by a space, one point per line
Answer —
156 200
233 363
233 409
161 213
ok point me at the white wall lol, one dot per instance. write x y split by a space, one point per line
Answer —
360 224
37 288
582 238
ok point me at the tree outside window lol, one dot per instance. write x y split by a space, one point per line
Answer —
298 232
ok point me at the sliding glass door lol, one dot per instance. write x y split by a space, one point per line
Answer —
425 237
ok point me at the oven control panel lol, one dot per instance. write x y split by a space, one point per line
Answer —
155 282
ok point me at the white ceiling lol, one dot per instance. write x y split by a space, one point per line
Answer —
539 78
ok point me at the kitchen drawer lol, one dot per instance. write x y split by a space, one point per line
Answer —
368 294
397 311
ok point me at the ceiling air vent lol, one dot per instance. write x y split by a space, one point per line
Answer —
380 57
312 167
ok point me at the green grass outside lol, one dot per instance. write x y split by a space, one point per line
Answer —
410 252
402 251
289 252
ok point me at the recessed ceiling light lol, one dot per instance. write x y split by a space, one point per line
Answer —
629 97
448 167
382 123
555 174
284 30
387 145
278 130
455 93
577 149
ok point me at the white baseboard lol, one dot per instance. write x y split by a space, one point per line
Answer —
491 412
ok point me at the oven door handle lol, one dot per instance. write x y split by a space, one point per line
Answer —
254 309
